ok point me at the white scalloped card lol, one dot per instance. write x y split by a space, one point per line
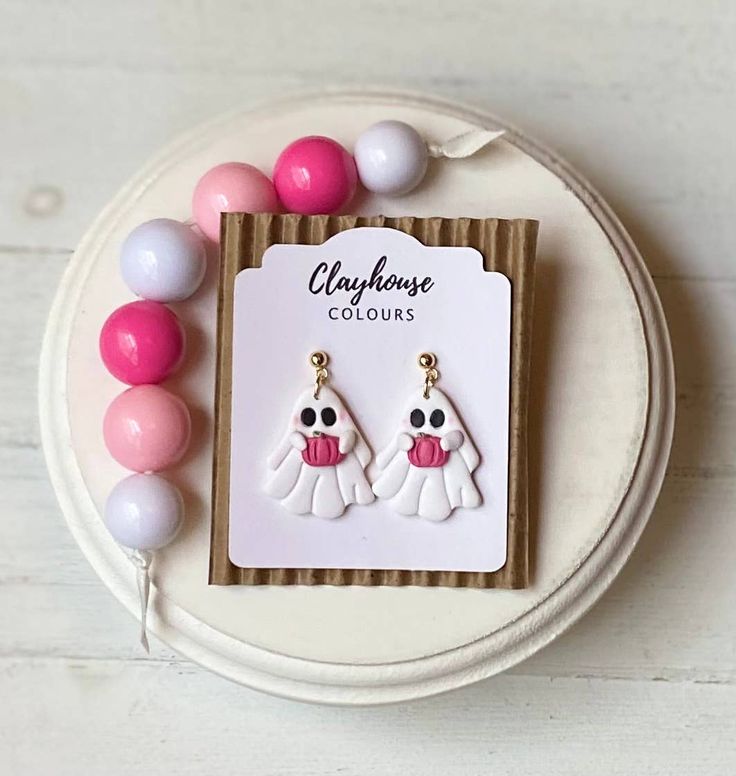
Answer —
373 299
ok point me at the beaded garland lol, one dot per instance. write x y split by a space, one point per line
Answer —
147 428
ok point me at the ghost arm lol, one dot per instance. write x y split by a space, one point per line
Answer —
347 441
297 440
453 440
293 440
469 454
403 441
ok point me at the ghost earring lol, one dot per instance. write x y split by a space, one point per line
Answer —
319 466
427 469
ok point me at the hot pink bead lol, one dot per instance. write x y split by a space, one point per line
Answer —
142 342
231 188
147 429
315 175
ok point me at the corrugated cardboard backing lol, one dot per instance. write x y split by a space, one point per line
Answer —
507 247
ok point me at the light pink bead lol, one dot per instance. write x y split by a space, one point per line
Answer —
231 188
315 175
147 429
142 342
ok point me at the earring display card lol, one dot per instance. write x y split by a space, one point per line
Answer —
290 502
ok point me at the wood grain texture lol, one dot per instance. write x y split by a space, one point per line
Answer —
507 247
640 98
110 701
107 698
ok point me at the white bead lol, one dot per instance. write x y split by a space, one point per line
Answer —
144 512
391 158
163 260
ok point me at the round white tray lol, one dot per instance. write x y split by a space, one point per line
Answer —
602 407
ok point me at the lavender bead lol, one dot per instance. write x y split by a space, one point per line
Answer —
163 260
144 512
391 158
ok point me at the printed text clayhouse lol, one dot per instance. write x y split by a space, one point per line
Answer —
328 280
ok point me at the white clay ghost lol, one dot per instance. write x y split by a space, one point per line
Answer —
427 469
319 467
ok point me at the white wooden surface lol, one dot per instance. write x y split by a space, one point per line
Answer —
640 97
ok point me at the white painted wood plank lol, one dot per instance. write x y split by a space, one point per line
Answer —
211 35
28 281
104 717
97 93
640 98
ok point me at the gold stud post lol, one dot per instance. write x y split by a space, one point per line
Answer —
428 362
319 360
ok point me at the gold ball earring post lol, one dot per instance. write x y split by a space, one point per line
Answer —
319 360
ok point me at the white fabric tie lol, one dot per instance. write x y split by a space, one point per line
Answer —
142 561
462 146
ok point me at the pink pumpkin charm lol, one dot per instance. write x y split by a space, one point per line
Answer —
322 450
427 453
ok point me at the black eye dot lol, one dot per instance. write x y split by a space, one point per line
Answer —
437 418
308 416
328 416
417 418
